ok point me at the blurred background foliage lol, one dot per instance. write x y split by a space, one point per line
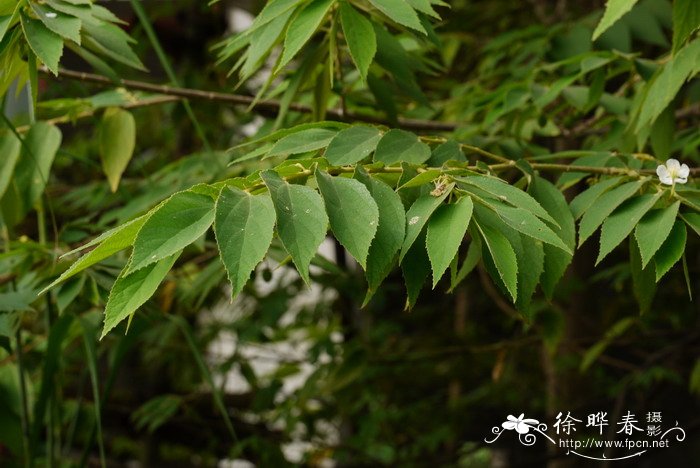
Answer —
286 376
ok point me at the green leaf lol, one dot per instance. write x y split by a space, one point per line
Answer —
261 42
360 37
585 199
47 45
671 250
415 269
116 141
653 229
527 223
470 262
503 256
64 25
244 226
110 243
400 145
352 145
110 40
446 229
422 178
301 219
686 20
693 220
401 12
302 27
174 224
417 216
272 10
602 207
614 10
621 223
352 211
448 151
302 142
132 290
10 147
643 284
506 193
664 87
390 232
556 261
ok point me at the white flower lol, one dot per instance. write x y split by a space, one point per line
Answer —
522 426
673 172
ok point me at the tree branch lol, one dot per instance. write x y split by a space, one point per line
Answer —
269 105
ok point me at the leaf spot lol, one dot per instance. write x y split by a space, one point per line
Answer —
413 220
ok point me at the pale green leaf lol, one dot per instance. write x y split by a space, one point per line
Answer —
244 226
614 10
671 250
64 25
621 223
601 208
401 12
132 290
360 37
47 45
301 219
352 145
116 142
302 142
302 27
446 229
352 212
653 229
174 225
109 243
399 146
110 40
417 217
9 155
527 223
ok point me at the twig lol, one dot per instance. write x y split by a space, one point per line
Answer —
269 105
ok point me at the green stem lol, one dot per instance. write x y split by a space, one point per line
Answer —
24 413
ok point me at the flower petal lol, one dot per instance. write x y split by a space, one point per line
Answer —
680 180
661 170
522 428
673 165
684 171
666 179
509 425
532 422
512 418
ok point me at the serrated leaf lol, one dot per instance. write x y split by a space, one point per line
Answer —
399 146
671 250
401 12
470 262
693 220
422 178
621 223
417 216
415 269
506 193
110 243
132 290
556 261
643 284
110 40
686 20
527 223
64 25
360 37
302 142
390 232
352 145
602 207
448 151
261 43
614 10
244 226
352 212
446 229
301 219
46 44
302 27
174 225
585 199
503 257
117 139
652 230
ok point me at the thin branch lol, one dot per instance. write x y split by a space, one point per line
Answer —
269 105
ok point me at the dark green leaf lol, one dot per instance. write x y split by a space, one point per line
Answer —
400 145
653 229
360 37
671 250
446 229
352 145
